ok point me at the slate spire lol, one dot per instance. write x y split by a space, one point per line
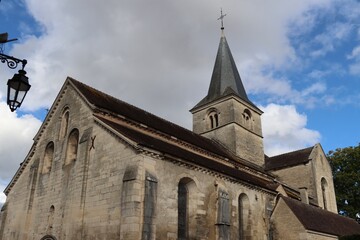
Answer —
225 79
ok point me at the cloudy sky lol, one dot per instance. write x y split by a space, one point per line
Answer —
299 61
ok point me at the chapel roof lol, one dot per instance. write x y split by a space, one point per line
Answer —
225 79
168 149
289 159
104 102
319 220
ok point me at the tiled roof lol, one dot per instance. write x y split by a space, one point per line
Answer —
288 159
168 149
114 105
104 101
225 79
319 220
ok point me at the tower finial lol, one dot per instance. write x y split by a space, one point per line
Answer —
221 18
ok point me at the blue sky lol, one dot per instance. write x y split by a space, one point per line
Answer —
299 61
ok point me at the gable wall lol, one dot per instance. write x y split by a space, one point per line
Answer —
85 194
322 169
285 224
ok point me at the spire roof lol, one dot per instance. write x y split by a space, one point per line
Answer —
225 79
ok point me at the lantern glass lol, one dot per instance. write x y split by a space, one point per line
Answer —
18 87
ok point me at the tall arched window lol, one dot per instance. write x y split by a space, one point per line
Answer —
244 214
64 123
72 146
324 190
187 205
223 216
182 211
48 157
51 216
213 117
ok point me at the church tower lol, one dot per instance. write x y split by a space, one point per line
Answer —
226 114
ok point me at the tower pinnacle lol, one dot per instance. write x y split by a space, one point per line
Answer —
222 19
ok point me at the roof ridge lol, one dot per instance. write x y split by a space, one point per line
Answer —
148 119
295 151
170 149
131 105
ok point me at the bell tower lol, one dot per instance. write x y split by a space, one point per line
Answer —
226 114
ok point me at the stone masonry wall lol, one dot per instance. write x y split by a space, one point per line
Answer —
322 170
239 127
285 225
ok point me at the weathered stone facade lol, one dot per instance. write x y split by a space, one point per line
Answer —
238 127
100 168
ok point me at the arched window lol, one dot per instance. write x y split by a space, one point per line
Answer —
244 214
64 123
48 237
187 205
48 157
51 216
324 190
182 211
213 117
247 118
72 146
223 216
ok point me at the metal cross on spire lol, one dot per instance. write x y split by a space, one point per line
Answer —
221 18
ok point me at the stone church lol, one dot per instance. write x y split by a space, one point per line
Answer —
100 168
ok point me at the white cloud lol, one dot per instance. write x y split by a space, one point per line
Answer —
153 49
355 54
314 89
354 68
16 134
285 130
279 89
329 39
2 195
156 55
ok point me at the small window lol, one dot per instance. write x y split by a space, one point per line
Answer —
247 119
72 147
324 190
64 124
48 158
213 117
51 216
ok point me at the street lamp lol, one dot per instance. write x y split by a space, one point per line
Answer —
19 85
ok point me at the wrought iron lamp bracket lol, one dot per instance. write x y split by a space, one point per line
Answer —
11 61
